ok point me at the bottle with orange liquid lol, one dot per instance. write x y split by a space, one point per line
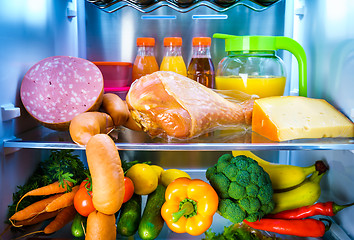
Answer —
145 61
201 68
173 60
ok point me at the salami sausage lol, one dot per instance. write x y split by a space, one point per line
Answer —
58 88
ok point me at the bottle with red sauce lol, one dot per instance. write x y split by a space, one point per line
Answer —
201 68
145 61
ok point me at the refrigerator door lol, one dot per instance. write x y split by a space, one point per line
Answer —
30 31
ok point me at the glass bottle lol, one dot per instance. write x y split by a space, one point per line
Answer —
201 68
145 61
173 60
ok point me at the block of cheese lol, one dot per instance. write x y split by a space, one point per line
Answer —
285 118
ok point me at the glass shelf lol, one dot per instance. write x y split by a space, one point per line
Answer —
182 6
222 140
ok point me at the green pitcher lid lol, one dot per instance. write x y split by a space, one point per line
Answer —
237 43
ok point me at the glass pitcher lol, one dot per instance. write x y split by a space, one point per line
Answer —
252 66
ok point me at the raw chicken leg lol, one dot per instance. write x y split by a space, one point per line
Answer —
170 104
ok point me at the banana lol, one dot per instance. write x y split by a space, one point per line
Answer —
282 176
307 193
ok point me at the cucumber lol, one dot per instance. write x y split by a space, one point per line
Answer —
130 215
78 225
152 222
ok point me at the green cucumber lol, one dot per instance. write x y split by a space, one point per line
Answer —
78 226
152 222
130 215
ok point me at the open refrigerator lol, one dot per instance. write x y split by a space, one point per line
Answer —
107 31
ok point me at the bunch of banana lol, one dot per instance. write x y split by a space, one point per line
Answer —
291 184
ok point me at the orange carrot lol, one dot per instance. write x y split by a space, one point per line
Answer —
34 209
67 199
64 216
39 218
47 190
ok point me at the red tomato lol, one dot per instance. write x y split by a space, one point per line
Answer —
129 189
83 202
84 183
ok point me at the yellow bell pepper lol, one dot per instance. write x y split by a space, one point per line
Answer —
190 206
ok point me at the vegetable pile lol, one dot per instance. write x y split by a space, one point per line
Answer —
244 188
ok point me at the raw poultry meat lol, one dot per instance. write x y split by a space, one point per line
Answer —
166 103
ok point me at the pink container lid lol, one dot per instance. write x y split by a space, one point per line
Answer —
117 89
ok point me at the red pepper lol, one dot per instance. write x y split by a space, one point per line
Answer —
302 228
326 209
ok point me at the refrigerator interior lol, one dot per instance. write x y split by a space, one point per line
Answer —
31 32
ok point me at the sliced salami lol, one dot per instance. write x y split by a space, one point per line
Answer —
58 88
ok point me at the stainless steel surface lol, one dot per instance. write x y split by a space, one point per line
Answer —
183 8
112 36
216 141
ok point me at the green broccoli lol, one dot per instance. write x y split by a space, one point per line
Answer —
221 184
244 188
231 210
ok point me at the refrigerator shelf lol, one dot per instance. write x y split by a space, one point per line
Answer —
182 6
226 140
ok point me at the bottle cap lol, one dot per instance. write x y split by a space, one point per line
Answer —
146 41
172 41
201 41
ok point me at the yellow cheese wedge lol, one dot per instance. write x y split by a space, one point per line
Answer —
285 118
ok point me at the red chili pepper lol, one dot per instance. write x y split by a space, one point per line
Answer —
302 228
326 209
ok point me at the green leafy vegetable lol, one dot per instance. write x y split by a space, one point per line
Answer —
238 231
61 165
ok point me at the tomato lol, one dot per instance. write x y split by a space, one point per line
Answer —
129 189
84 183
83 202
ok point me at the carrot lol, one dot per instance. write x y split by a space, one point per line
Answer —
65 200
47 190
34 209
64 217
39 218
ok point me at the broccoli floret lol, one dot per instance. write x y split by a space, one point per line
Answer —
221 184
265 194
236 191
252 190
231 172
210 172
243 178
240 181
223 162
231 210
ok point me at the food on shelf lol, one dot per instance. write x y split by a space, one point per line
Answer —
169 104
151 222
244 188
190 206
144 178
118 110
78 226
101 226
86 125
129 189
172 174
285 118
83 201
130 216
158 170
284 176
302 228
238 231
307 193
56 89
107 174
319 208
